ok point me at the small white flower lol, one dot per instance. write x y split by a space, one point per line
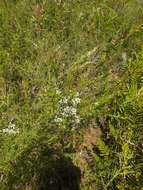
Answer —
11 129
77 119
73 111
63 101
4 130
58 120
11 126
68 110
76 101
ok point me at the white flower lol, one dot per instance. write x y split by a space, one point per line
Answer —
73 111
11 129
77 119
58 120
76 101
12 126
63 101
68 110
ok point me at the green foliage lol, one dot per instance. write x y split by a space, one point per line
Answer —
119 161
49 51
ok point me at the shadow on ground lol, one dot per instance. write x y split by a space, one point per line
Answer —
42 168
60 175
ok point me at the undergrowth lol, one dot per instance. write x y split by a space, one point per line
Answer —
71 91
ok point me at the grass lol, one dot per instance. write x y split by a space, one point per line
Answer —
50 50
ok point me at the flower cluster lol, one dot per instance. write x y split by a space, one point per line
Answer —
67 110
11 129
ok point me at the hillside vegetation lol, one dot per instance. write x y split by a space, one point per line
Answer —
71 95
